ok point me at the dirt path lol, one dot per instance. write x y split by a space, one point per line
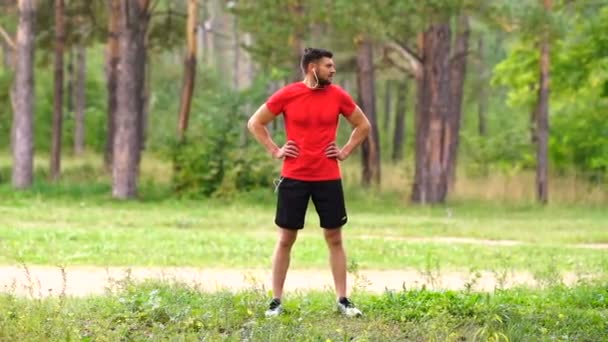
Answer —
473 241
40 281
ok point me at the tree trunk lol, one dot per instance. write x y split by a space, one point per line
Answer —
482 109
8 55
367 100
458 66
400 112
542 117
69 88
387 105
112 59
142 127
189 70
22 96
430 182
80 99
296 41
58 93
127 144
237 52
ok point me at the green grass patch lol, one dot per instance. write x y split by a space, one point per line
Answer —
90 228
154 311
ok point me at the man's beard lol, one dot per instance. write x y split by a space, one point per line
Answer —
324 82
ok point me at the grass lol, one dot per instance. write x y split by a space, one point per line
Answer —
153 311
89 228
76 222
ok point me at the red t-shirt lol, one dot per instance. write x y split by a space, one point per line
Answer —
311 121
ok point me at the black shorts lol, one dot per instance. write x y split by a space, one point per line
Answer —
292 202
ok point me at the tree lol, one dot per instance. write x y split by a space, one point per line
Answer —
112 59
80 99
367 99
430 181
400 112
55 161
482 92
134 19
189 69
458 67
22 138
542 116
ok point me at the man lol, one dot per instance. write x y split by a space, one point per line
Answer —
311 110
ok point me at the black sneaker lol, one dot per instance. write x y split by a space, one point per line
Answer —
275 308
348 308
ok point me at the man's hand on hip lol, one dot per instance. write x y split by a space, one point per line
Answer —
333 151
289 150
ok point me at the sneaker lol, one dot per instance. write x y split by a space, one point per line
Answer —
275 308
348 308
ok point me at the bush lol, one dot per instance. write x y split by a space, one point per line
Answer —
217 157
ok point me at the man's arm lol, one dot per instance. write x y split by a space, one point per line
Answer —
361 128
257 126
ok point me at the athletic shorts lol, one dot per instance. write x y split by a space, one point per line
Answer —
293 197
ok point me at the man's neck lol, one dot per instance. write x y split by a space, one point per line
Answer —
312 83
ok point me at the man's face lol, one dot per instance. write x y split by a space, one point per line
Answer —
325 70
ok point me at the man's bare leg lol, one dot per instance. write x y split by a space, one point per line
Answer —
337 259
280 259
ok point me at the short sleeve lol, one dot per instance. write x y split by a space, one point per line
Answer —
277 101
347 105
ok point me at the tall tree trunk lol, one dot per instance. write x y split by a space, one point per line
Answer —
142 127
542 117
430 182
367 100
189 70
482 109
458 67
22 97
58 93
127 144
112 59
296 10
69 88
80 99
387 104
400 112
237 52
8 55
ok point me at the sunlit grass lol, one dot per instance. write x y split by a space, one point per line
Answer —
173 311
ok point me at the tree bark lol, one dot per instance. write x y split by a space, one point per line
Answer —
127 145
400 113
422 126
189 70
237 53
22 96
367 100
296 41
69 89
80 100
112 59
430 183
387 105
458 67
542 117
482 109
8 55
142 127
58 92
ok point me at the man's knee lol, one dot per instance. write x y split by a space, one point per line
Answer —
333 237
287 238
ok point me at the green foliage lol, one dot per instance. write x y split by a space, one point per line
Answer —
216 157
177 311
578 103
